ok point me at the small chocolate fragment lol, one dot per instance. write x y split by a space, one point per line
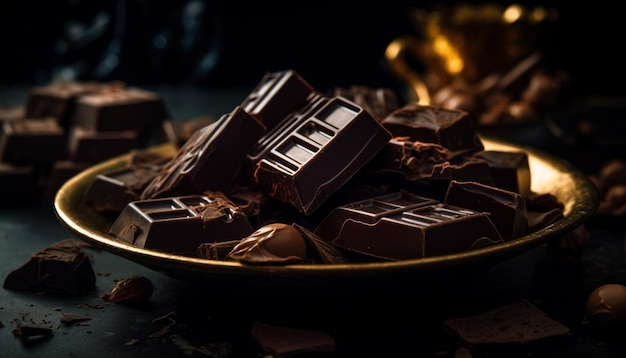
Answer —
507 209
29 333
271 244
210 159
286 341
32 141
406 226
135 289
180 224
510 170
216 250
512 324
277 95
68 318
452 129
62 268
320 155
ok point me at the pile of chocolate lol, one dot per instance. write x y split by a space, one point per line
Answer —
65 127
292 175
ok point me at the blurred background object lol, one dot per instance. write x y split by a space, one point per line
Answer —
232 43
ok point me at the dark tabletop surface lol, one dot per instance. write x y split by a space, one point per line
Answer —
217 323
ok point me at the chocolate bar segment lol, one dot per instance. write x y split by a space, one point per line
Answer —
507 209
276 96
452 129
510 170
210 159
30 141
90 146
119 108
179 225
406 229
321 154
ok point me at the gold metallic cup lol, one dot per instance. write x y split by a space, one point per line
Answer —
467 42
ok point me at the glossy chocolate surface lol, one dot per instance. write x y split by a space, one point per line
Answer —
406 226
180 224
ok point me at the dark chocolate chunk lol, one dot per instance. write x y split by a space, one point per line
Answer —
452 129
406 226
90 146
210 159
57 100
507 209
62 268
287 341
510 170
277 95
135 289
32 141
180 224
321 154
118 108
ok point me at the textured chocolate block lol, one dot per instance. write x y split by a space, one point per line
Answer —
510 170
210 159
180 224
18 183
62 268
31 141
452 129
90 146
379 102
276 96
397 227
506 209
419 161
321 154
57 100
119 108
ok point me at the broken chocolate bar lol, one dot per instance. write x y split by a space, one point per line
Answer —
507 209
452 129
210 159
277 95
406 226
62 268
180 224
321 154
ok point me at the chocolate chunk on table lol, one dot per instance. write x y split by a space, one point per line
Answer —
320 154
406 226
178 225
62 268
30 141
210 159
90 146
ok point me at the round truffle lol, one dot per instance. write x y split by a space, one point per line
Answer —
606 305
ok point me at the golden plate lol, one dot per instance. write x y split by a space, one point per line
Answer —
548 175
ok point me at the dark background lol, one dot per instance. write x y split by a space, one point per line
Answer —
232 43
